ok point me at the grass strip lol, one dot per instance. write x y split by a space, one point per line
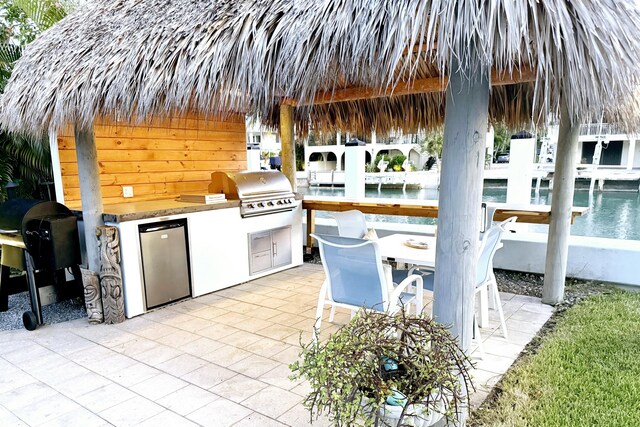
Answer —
585 373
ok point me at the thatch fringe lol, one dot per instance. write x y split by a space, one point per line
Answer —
131 59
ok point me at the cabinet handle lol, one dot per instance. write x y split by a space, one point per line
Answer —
275 249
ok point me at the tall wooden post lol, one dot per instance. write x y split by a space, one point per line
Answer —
459 209
90 192
288 144
555 268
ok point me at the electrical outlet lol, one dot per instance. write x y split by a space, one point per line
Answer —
127 191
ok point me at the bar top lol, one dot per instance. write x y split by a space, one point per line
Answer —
535 214
132 211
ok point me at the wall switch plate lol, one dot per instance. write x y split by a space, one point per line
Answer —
127 191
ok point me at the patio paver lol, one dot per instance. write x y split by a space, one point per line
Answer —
218 360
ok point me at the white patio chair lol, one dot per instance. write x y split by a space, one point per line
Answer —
356 278
485 278
351 223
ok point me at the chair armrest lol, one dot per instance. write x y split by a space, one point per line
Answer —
414 278
424 270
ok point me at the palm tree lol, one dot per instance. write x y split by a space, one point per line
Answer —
501 138
432 143
24 160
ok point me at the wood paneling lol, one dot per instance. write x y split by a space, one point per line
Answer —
160 159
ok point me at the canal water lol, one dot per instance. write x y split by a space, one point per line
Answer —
615 215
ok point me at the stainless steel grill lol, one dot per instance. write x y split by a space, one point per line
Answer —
260 192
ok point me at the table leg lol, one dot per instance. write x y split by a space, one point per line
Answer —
311 228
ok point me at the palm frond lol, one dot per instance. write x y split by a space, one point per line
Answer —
33 157
10 53
44 13
24 160
6 165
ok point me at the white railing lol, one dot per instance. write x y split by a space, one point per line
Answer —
596 129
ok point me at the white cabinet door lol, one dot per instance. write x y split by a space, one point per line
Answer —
269 249
281 246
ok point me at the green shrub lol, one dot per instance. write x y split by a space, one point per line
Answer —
378 356
396 162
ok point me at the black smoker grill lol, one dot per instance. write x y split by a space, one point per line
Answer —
41 238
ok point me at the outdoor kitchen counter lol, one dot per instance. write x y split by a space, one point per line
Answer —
133 211
224 248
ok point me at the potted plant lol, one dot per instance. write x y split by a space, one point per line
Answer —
385 370
396 162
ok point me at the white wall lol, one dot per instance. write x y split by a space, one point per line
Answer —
270 142
321 166
520 175
590 258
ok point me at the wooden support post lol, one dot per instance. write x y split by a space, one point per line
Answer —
90 192
311 228
92 297
288 144
459 217
110 275
561 204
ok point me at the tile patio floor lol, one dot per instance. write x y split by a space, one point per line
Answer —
216 360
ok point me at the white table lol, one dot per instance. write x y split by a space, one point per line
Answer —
392 248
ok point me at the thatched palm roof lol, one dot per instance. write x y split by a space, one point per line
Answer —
141 58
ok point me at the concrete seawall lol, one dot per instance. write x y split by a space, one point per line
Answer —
590 258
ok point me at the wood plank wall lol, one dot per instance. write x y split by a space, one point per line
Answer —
161 159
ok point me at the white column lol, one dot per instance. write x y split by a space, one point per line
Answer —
491 139
55 166
354 171
631 154
465 130
253 159
561 203
521 156
90 192
338 154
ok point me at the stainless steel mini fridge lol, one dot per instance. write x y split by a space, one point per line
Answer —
165 262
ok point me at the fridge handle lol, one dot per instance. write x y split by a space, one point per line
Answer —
161 227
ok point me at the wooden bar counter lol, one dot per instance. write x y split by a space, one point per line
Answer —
533 214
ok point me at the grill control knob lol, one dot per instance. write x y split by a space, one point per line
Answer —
250 206
269 203
261 205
